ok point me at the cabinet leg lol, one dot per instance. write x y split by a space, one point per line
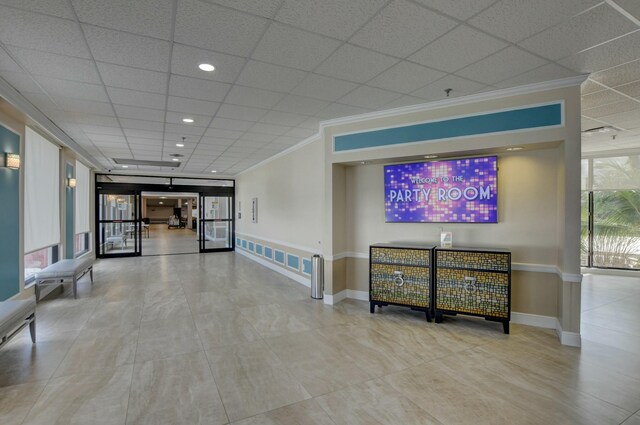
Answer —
428 314
372 308
505 326
438 317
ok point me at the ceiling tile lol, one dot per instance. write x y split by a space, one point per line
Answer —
404 101
323 88
185 61
22 82
136 98
457 49
144 17
7 64
312 123
137 113
244 113
586 30
618 75
140 133
56 66
218 133
276 130
630 6
72 89
257 98
515 20
335 18
587 123
85 106
133 78
91 119
264 75
230 124
291 47
258 137
547 72
601 98
300 133
59 8
127 49
212 91
134 124
459 87
198 120
631 89
611 109
193 106
405 77
283 118
461 9
217 28
608 55
45 33
369 97
97 129
337 110
402 28
589 86
143 142
266 8
177 131
354 63
502 65
300 104
98 138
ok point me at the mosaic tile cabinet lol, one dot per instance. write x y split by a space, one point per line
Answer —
441 281
401 275
474 282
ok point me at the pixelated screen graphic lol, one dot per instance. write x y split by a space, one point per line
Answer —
452 191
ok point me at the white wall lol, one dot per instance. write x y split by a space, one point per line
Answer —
290 192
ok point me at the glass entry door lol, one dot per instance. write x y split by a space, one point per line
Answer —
215 224
119 225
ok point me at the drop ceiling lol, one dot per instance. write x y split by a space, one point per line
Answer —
119 76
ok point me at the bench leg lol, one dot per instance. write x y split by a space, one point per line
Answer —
91 274
36 289
75 286
32 328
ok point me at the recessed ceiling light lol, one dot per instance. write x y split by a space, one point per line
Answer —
180 145
430 156
206 67
163 197
515 148
125 166
187 120
161 203
175 159
214 171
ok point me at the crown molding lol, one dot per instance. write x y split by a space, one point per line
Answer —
287 151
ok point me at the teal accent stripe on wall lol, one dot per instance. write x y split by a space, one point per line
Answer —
293 261
306 266
69 248
519 119
278 256
9 218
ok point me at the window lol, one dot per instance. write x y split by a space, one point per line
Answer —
38 260
41 203
82 244
611 212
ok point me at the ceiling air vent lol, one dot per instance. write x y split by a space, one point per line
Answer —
126 161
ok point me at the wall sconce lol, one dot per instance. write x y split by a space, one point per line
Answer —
71 182
11 160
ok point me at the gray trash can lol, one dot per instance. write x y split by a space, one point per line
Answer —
317 277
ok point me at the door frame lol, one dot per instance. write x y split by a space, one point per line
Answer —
202 220
137 188
137 234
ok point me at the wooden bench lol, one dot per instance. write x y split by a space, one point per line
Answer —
64 269
14 316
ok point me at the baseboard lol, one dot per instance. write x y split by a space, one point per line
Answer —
335 298
268 264
358 295
572 339
547 322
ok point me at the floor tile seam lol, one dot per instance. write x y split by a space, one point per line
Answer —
36 400
622 298
206 356
133 367
625 332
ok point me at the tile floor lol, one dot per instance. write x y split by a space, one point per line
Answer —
217 338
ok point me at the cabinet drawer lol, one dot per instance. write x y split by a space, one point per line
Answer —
412 257
474 292
495 261
401 284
